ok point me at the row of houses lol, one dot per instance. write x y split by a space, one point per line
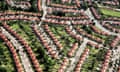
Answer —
78 3
27 47
53 21
82 32
94 44
81 60
52 52
95 13
112 19
63 65
115 41
72 34
67 18
81 22
99 31
113 3
14 53
116 23
81 11
63 6
19 17
110 27
19 13
39 5
72 50
105 64
55 40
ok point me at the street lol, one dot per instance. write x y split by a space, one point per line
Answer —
23 56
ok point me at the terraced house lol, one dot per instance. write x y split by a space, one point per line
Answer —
59 36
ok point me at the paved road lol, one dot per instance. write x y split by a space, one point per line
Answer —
89 14
74 31
50 42
116 53
23 56
83 45
75 59
44 11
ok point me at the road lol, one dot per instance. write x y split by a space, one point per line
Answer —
49 41
23 55
116 53
44 11
89 14
75 59
74 31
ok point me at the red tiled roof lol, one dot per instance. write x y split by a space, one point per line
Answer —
13 51
25 44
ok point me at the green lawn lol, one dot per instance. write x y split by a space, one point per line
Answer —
94 60
63 37
25 31
89 31
110 12
6 60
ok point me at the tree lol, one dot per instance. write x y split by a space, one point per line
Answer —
3 69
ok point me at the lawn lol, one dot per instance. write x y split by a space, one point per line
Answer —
110 12
24 30
6 59
63 37
94 60
89 31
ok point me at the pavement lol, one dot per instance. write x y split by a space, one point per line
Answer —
23 55
116 53
75 59
89 14
44 12
50 42
80 50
